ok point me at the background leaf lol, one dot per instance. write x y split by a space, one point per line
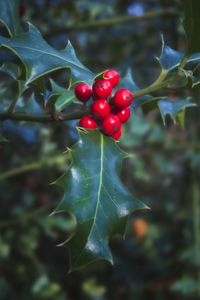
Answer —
29 106
173 109
170 58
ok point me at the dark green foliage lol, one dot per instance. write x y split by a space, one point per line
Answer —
161 260
40 59
93 192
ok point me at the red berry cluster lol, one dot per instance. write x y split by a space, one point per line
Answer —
107 111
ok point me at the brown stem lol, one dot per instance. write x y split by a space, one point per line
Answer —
43 118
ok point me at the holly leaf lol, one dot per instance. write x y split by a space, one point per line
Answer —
65 99
168 107
175 109
58 98
191 24
40 58
9 16
97 199
170 59
65 96
11 69
28 106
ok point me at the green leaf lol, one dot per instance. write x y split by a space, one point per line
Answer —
10 69
28 106
65 99
95 195
174 109
40 58
192 25
151 104
170 59
58 98
9 16
64 96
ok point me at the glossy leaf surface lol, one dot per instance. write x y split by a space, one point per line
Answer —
40 58
95 195
64 96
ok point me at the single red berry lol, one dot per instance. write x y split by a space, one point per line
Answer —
123 98
124 114
102 88
111 124
117 135
87 122
112 76
100 109
83 92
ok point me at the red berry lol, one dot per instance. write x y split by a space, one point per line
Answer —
117 135
87 122
100 109
102 88
83 92
124 114
112 76
123 98
111 124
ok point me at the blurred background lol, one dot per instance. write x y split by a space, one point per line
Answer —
159 259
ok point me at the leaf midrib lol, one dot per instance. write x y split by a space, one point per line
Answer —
49 54
100 184
98 193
